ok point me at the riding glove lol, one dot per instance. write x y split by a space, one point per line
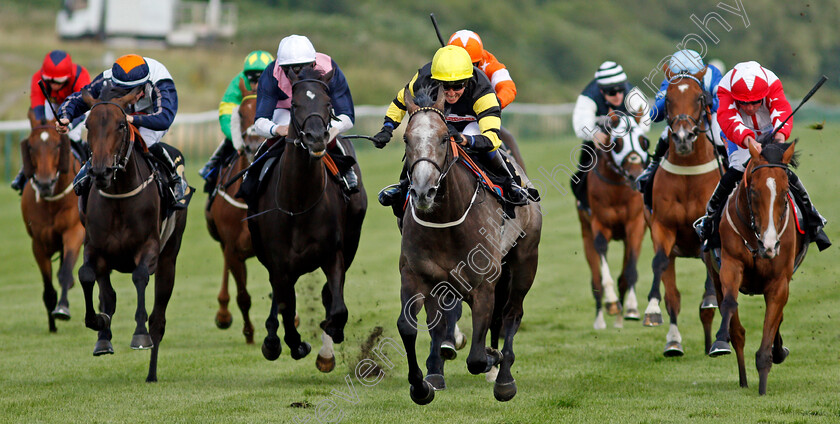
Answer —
383 137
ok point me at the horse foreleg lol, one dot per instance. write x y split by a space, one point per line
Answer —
673 345
333 298
164 284
630 275
141 338
107 308
71 242
437 331
239 271
775 298
738 335
601 243
49 296
663 241
731 275
411 300
593 260
481 359
448 349
224 319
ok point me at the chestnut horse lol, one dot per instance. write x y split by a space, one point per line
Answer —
447 227
225 215
50 210
760 249
127 228
305 221
681 188
617 213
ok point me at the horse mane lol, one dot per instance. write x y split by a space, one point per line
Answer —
773 153
423 96
309 72
111 91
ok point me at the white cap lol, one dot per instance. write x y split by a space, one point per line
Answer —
295 49
610 73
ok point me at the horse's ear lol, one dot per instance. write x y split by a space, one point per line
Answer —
788 155
88 98
667 71
638 116
441 99
754 153
64 155
410 106
614 119
25 159
32 120
242 86
328 76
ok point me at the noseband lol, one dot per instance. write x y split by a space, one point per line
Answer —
297 126
751 222
121 159
695 122
442 171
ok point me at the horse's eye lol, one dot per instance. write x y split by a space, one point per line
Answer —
444 139
691 137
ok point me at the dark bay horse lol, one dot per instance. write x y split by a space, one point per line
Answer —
127 228
681 188
50 211
761 247
226 214
304 222
617 214
454 229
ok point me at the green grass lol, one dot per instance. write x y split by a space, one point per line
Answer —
565 370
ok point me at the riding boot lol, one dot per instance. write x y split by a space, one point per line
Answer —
208 171
723 154
707 225
348 176
513 192
815 221
19 182
647 174
578 181
173 164
81 182
395 193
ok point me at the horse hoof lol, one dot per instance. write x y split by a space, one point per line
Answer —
325 364
653 320
491 375
141 341
61 313
271 352
613 308
426 395
504 392
103 347
302 350
709 302
673 349
224 321
447 351
784 354
632 314
494 357
460 341
436 380
719 348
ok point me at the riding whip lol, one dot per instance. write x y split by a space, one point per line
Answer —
47 96
437 30
817 86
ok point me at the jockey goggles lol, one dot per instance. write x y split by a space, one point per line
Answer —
612 91
749 103
454 85
58 80
253 77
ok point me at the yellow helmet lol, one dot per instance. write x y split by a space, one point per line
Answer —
451 63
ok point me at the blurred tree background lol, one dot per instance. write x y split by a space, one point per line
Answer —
552 48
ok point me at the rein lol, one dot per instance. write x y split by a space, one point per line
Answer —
298 126
751 222
447 164
696 122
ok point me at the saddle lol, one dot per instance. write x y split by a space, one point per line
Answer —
497 185
254 182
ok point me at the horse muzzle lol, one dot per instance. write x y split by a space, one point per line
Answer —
423 199
101 177
44 186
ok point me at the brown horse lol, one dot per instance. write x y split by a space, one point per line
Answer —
445 233
225 215
50 210
127 228
617 213
681 188
760 249
308 223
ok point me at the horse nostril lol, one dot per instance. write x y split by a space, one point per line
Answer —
412 192
432 192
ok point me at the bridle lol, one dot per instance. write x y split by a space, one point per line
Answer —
751 222
695 122
297 125
120 158
59 196
447 166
